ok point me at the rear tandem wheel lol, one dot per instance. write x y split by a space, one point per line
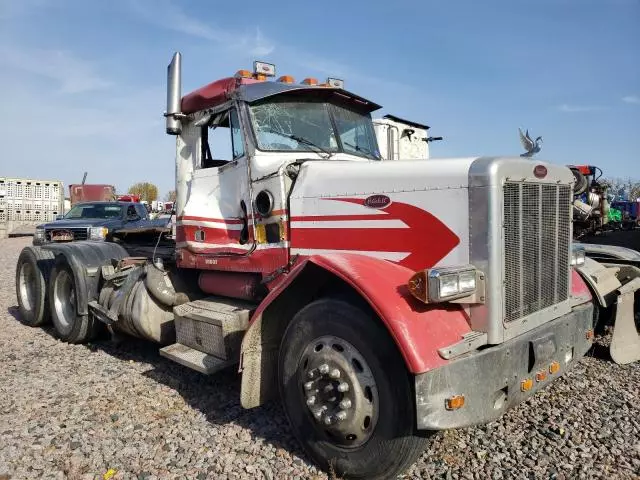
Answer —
33 271
70 326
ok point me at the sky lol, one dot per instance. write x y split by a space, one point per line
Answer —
82 83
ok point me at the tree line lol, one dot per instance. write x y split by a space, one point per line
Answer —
149 192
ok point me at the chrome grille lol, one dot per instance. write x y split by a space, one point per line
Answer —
536 240
81 233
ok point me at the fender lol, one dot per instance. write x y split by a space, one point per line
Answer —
85 259
601 280
417 329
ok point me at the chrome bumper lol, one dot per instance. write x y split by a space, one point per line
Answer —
491 379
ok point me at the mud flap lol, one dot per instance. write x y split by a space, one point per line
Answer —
625 343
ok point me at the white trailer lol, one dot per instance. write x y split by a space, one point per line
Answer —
400 139
27 202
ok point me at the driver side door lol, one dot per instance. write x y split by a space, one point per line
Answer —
216 215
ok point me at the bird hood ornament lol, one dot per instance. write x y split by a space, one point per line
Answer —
532 147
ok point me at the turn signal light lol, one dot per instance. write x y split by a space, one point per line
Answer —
455 402
526 384
589 335
286 79
310 81
541 376
554 368
417 286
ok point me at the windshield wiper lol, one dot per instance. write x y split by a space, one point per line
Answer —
302 140
358 148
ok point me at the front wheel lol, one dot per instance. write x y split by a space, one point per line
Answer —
347 393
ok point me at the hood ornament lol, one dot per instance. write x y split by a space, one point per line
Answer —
531 147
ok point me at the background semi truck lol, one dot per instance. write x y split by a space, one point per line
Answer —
379 301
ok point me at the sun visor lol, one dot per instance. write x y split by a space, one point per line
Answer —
260 91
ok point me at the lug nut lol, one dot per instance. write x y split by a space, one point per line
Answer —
308 385
311 400
328 420
340 416
318 413
345 404
323 369
343 387
335 373
311 374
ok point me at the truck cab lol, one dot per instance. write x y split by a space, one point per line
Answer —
378 300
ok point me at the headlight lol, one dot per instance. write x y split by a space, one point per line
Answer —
577 256
39 236
98 233
448 284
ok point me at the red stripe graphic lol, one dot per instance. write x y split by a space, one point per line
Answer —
427 239
229 221
211 235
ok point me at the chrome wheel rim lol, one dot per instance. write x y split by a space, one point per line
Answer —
27 286
339 391
64 301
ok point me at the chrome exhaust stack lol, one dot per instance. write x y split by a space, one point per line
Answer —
174 95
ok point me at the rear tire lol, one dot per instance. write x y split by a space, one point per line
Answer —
70 326
33 271
328 344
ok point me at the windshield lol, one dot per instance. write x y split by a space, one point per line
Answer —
96 210
295 125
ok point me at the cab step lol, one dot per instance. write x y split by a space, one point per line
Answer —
195 359
209 333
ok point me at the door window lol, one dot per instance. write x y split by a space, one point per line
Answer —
222 140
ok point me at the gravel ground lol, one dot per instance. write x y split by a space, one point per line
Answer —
72 411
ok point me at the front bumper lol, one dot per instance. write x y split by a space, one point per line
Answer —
490 379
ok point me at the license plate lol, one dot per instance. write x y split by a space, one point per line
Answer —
61 235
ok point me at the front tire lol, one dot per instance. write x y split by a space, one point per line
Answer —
347 392
32 274
70 326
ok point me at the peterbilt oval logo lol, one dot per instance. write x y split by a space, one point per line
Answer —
540 171
377 201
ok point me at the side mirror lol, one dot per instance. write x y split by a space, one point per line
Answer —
59 217
133 218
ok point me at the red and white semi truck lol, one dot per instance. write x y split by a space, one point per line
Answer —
380 301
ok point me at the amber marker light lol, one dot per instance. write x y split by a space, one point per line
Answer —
455 402
286 79
526 384
244 74
554 368
541 376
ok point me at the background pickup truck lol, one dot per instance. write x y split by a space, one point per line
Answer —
95 221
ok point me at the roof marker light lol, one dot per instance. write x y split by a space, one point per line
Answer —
310 81
286 79
263 68
243 74
335 82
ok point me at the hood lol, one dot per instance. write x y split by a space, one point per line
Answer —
83 222
415 213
